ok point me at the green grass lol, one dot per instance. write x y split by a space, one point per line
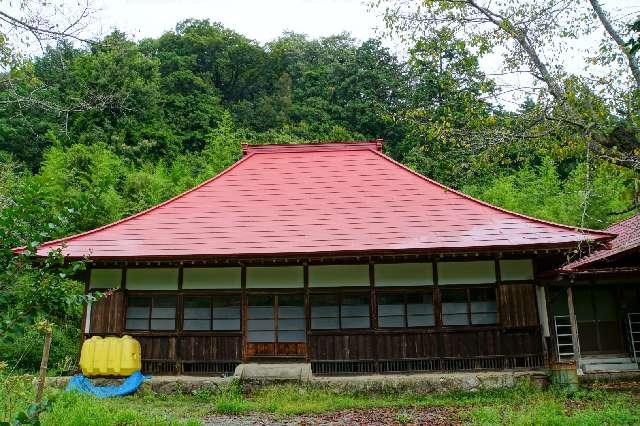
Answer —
523 405
77 410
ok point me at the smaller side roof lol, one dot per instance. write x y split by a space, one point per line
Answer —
627 239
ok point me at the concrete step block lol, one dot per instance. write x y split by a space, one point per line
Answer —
607 360
609 367
274 372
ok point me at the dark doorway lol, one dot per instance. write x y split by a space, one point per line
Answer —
599 326
276 325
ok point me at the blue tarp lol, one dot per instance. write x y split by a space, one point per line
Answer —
83 384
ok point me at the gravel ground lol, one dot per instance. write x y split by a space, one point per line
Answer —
378 416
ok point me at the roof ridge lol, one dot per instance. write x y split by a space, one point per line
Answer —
142 213
374 145
484 203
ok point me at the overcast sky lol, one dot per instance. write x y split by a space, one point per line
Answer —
261 20
265 20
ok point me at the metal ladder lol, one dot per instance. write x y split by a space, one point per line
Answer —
633 321
564 338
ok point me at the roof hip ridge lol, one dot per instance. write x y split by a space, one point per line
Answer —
135 215
605 234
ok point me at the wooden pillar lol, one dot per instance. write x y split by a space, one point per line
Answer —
373 314
543 318
244 310
179 320
499 318
123 301
574 327
550 323
307 311
86 309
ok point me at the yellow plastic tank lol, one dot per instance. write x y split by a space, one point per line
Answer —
110 356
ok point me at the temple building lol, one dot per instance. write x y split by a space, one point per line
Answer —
336 255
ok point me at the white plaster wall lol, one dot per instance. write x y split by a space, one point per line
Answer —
105 278
403 274
275 277
152 279
338 275
211 278
471 272
516 269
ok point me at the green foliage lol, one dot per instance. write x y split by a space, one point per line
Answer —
404 418
24 350
578 199
16 393
109 130
634 42
73 409
31 416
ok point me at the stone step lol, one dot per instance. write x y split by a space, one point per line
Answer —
606 360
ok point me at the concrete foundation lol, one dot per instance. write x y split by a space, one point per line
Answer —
431 382
252 376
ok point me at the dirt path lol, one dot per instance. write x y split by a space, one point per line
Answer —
378 416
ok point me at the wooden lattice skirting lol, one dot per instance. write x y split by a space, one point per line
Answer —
498 362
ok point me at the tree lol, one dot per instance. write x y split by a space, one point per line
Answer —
46 23
634 42
446 104
541 191
28 290
617 38
227 60
531 33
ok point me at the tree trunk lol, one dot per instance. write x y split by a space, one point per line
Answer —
519 35
602 16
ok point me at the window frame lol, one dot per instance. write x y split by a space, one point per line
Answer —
277 294
467 289
371 293
210 297
180 295
404 292
152 295
340 295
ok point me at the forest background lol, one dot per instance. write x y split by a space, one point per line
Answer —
93 130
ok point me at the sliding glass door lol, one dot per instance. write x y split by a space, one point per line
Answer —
276 325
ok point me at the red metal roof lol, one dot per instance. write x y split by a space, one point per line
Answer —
628 238
317 198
